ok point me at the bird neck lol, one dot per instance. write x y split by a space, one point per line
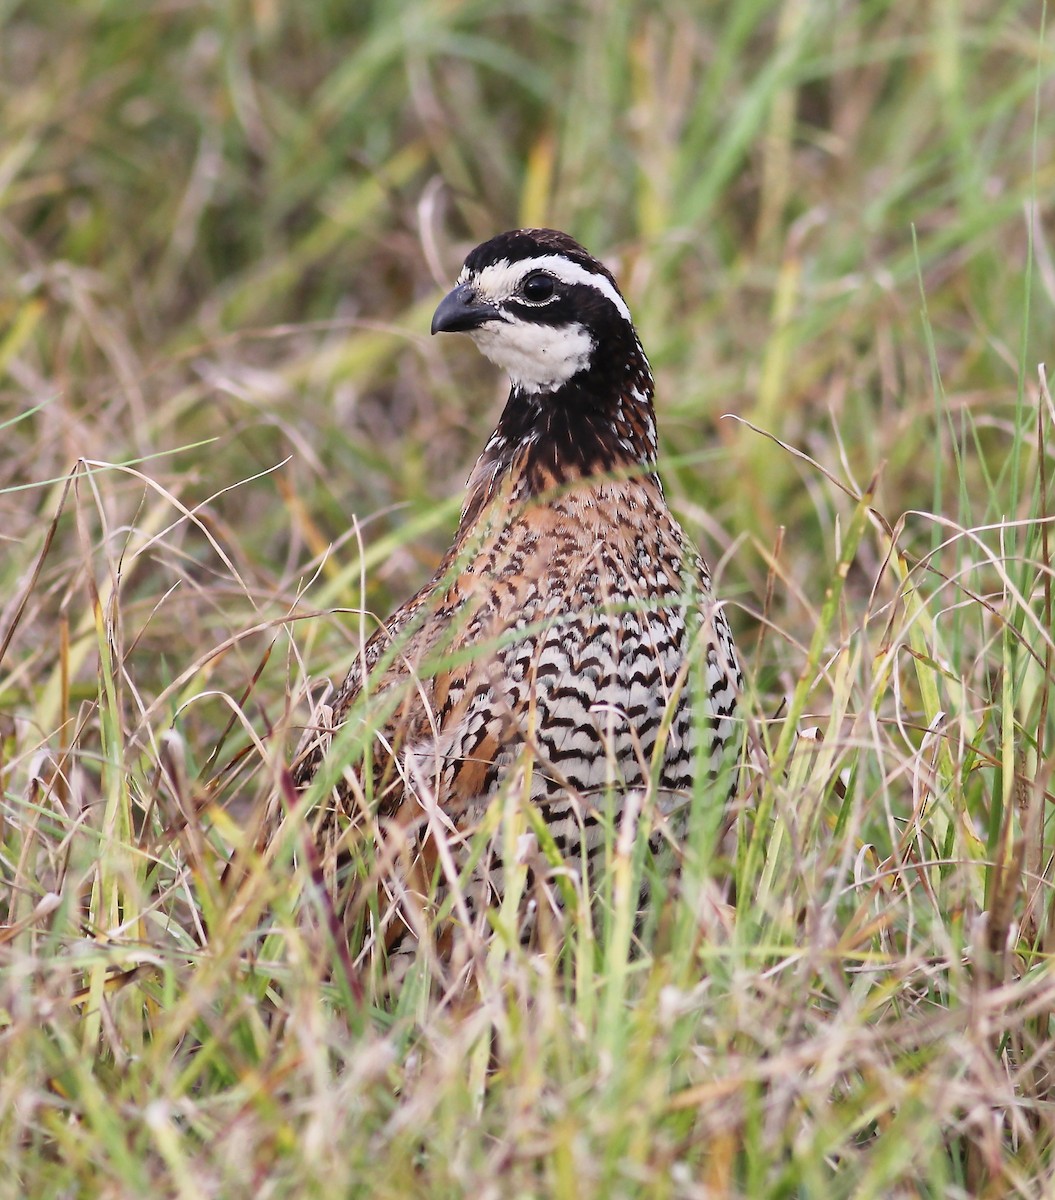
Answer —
599 423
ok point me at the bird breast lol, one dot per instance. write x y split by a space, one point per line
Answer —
578 617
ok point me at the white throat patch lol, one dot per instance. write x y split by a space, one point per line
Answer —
537 358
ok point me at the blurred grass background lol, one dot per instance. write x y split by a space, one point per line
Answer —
222 231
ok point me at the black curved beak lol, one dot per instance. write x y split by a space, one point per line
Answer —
461 310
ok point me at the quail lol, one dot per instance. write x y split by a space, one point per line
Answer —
568 650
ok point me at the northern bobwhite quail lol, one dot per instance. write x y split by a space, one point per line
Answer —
568 650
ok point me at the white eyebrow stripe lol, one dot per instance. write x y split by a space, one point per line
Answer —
570 272
499 280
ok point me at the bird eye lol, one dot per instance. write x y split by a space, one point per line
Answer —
538 287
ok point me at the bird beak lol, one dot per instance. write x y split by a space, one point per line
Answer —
461 311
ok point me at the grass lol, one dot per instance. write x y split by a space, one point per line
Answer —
222 232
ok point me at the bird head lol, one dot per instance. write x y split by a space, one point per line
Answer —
541 308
